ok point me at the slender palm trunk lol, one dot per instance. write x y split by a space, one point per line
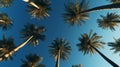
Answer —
17 48
104 7
107 59
32 3
58 60
2 21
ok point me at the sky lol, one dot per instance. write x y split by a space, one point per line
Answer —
56 27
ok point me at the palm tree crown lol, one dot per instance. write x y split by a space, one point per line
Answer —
115 45
73 15
5 3
6 45
32 60
60 50
88 41
5 21
109 21
35 31
42 12
63 46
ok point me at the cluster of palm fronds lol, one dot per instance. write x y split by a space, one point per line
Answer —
75 13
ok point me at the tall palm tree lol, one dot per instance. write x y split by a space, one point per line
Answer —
109 21
115 45
32 35
38 8
32 60
60 50
77 13
6 45
90 43
5 3
5 21
80 65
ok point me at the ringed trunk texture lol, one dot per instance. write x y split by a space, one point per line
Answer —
58 60
17 48
107 59
104 7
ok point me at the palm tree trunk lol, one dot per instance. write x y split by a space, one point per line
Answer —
58 60
2 21
17 48
107 59
104 7
32 3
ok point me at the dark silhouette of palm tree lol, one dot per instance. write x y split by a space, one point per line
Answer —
5 21
5 3
115 45
60 50
109 21
32 60
32 35
38 8
6 45
77 13
89 43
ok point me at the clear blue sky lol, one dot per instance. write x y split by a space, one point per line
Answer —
56 27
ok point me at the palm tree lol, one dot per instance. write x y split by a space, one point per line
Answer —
5 21
32 60
5 3
89 44
109 21
6 45
73 15
115 45
60 50
32 34
38 8
80 65
77 13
